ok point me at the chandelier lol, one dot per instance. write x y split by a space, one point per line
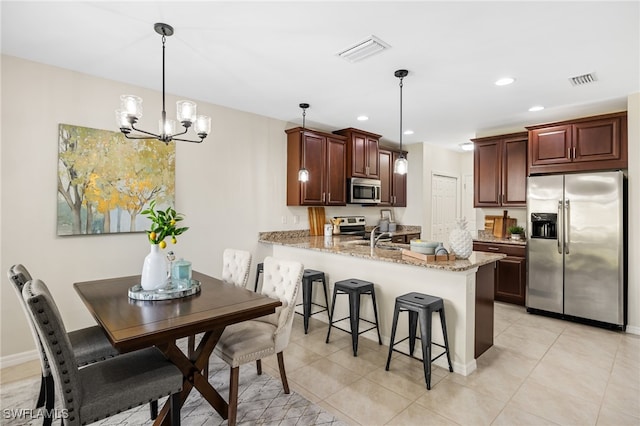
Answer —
401 164
131 110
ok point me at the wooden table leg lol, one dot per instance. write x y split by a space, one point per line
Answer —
192 372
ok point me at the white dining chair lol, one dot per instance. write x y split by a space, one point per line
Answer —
255 339
235 267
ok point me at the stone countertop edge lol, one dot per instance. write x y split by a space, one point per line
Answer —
347 246
500 241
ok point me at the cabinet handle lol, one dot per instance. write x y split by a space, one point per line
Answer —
569 153
574 152
328 197
493 248
367 169
323 194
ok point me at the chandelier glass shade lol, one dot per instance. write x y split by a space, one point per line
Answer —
130 111
303 173
401 165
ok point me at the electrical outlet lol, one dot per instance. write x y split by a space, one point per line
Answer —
284 220
296 219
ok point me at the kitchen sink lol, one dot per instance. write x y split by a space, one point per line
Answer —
364 243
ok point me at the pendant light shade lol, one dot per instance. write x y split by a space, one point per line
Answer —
401 165
303 173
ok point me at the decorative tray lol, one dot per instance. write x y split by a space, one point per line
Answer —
173 290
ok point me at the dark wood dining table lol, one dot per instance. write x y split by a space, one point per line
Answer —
135 324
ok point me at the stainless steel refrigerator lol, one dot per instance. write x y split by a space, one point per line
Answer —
576 246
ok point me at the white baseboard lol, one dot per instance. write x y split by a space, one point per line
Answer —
17 359
633 329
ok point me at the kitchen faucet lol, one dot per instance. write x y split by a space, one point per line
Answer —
374 240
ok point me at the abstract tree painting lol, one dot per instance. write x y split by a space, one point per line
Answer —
105 180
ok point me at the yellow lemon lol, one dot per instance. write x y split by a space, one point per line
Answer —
173 222
162 244
152 235
173 240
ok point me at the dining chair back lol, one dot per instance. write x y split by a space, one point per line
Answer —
105 388
256 339
235 266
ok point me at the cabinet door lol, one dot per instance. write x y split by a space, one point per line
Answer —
336 173
398 186
596 140
358 155
314 154
551 145
510 280
514 172
386 171
487 174
373 159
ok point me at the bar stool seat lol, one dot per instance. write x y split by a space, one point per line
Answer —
354 288
308 278
420 308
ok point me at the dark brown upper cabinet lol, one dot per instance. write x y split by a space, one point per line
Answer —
500 171
393 188
323 155
362 153
586 144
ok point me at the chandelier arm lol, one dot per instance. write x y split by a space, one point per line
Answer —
187 140
126 135
157 136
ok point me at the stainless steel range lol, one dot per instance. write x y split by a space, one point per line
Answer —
351 225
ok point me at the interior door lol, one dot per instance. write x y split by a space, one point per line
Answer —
444 206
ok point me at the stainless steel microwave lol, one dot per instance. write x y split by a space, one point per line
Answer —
363 191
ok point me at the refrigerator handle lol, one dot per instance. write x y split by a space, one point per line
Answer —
560 235
566 224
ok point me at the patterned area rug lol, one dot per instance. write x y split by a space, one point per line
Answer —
261 401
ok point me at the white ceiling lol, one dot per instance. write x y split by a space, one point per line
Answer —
266 57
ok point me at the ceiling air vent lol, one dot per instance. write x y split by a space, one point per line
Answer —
363 49
583 79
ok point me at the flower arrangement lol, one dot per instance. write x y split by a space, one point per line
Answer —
163 224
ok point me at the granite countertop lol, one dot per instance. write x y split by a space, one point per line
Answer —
486 237
358 247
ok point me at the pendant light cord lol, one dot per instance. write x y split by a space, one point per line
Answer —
401 78
164 111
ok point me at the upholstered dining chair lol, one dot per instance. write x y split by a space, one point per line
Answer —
255 339
89 344
235 266
104 388
235 270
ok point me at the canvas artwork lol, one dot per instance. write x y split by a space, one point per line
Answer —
106 180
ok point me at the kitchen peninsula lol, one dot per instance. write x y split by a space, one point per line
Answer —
465 285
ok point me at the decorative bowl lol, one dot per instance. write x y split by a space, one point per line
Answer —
424 247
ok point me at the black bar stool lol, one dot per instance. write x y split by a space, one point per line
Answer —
259 270
308 278
354 288
420 307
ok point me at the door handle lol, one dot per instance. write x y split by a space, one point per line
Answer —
567 223
560 235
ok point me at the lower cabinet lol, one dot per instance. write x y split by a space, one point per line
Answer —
511 271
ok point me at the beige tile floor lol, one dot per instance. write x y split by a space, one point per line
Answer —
540 371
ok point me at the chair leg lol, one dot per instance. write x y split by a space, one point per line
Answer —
175 408
425 337
307 292
191 346
446 340
333 306
233 396
413 325
259 366
396 312
283 373
375 314
153 409
326 297
42 395
354 319
49 401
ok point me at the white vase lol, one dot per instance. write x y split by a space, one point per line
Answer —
460 240
154 270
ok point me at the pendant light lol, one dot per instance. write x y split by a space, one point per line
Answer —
401 166
303 173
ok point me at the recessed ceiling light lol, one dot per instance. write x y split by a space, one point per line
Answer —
362 118
536 108
505 81
408 132
466 146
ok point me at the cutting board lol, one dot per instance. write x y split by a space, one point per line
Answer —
499 227
316 221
